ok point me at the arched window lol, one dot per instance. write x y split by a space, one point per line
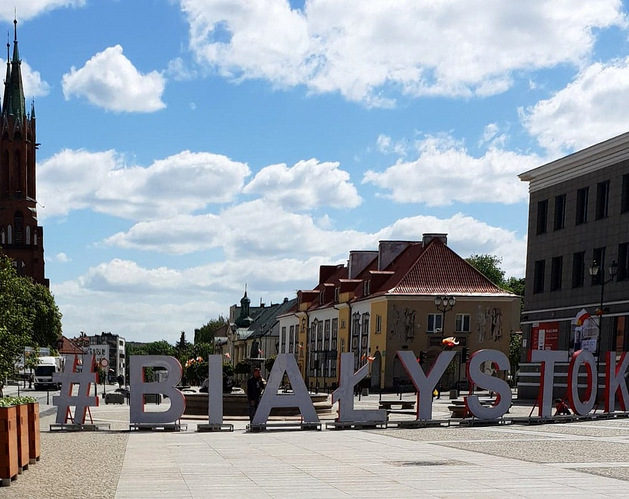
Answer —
28 234
18 226
9 235
35 238
4 174
2 237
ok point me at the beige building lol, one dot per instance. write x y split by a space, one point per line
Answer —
384 301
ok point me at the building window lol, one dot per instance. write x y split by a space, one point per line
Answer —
18 220
336 295
9 235
327 335
283 340
462 323
538 277
560 212
624 202
378 324
556 268
335 333
602 199
2 237
366 288
623 261
28 234
542 215
291 340
435 323
598 256
582 205
578 269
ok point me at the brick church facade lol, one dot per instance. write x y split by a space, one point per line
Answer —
21 238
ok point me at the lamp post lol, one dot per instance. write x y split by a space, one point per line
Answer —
444 304
594 271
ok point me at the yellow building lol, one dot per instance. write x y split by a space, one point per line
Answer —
384 301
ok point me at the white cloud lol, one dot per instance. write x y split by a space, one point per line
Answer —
258 228
62 258
366 49
274 261
445 172
307 184
182 183
26 9
109 80
585 112
178 70
32 81
261 230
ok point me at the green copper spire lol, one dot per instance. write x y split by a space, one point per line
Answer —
13 89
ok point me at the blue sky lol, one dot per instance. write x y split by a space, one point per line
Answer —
190 147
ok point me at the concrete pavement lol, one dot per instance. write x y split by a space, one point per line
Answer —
579 459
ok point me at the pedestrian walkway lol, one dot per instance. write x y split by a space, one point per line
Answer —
583 459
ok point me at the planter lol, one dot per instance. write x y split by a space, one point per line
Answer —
8 444
22 437
34 446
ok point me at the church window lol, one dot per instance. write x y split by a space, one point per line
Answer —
28 234
2 237
18 221
9 235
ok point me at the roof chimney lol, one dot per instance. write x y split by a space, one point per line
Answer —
358 261
389 251
429 236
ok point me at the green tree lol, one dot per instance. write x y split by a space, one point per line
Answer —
205 334
46 329
16 318
489 266
161 347
515 285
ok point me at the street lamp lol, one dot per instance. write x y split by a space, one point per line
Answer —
594 271
445 303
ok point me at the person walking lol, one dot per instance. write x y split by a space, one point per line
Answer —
255 386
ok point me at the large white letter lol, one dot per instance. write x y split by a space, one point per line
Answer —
615 381
167 387
586 358
344 394
488 382
285 363
548 358
215 390
424 384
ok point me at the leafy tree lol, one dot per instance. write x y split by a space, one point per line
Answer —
15 317
205 334
489 266
161 347
203 350
47 320
515 348
515 285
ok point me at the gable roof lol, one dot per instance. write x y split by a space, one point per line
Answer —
439 270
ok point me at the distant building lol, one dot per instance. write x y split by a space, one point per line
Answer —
106 346
254 332
384 301
21 238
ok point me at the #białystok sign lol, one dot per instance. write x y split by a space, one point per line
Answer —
285 365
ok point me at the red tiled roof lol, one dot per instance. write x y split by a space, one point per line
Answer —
439 270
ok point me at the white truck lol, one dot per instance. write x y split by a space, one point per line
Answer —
44 371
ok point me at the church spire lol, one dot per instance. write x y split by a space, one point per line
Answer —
13 103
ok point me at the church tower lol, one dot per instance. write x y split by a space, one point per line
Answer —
21 238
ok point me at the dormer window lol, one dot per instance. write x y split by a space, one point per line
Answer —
366 290
337 295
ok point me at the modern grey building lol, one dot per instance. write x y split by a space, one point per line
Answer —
579 224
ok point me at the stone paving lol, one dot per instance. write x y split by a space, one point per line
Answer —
580 459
